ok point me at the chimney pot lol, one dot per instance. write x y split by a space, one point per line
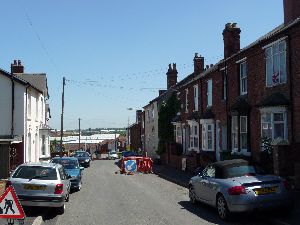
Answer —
211 65
17 67
207 66
171 76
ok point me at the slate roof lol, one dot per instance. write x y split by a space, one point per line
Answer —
38 81
275 99
241 104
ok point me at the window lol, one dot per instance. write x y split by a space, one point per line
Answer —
224 86
36 107
239 134
186 100
42 107
243 78
43 144
209 93
196 97
234 132
243 133
209 171
194 138
276 64
274 124
178 135
29 105
207 137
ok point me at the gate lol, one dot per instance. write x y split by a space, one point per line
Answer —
4 161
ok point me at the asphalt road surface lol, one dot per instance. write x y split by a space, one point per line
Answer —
115 199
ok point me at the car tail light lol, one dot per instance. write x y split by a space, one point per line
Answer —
287 185
237 190
8 183
59 189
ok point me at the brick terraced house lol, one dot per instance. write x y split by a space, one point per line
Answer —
244 103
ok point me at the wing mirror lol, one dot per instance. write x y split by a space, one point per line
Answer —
81 168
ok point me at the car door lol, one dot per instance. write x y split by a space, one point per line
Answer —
208 184
64 179
199 185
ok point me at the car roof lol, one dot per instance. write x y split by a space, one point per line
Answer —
41 164
65 158
229 162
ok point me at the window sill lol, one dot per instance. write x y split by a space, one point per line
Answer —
277 85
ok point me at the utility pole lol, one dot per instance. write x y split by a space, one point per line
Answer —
62 116
79 133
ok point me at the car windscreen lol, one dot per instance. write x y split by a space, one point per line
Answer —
239 170
81 154
36 172
68 164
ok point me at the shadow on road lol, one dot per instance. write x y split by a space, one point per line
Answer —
210 214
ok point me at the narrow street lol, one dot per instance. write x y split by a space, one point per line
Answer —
109 198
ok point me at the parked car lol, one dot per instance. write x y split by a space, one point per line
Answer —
237 186
83 157
41 184
112 155
72 167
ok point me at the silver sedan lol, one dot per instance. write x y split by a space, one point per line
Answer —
237 186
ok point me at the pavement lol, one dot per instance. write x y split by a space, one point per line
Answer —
182 178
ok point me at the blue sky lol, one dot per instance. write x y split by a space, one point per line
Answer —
115 53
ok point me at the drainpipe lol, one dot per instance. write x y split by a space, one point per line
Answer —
12 105
25 117
291 89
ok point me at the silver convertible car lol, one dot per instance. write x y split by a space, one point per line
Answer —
41 184
237 186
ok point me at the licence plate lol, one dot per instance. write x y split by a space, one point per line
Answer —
266 190
34 187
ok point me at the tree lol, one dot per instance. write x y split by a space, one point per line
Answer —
167 112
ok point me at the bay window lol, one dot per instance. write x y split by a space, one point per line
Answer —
274 123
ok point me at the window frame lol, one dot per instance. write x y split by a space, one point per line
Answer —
186 100
272 111
209 93
271 47
204 134
243 78
196 97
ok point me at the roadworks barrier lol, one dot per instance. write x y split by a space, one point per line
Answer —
136 164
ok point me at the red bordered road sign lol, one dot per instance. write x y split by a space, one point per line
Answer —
10 207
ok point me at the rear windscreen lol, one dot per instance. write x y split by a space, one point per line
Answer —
35 172
239 170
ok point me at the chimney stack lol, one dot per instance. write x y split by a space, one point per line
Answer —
198 64
139 116
160 92
231 37
171 76
291 10
17 67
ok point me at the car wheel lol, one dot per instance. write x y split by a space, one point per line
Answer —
68 197
192 195
61 209
79 186
222 207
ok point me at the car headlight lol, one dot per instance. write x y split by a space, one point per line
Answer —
87 160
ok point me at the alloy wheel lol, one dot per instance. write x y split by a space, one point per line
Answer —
222 207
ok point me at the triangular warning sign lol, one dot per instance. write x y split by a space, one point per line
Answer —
10 207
